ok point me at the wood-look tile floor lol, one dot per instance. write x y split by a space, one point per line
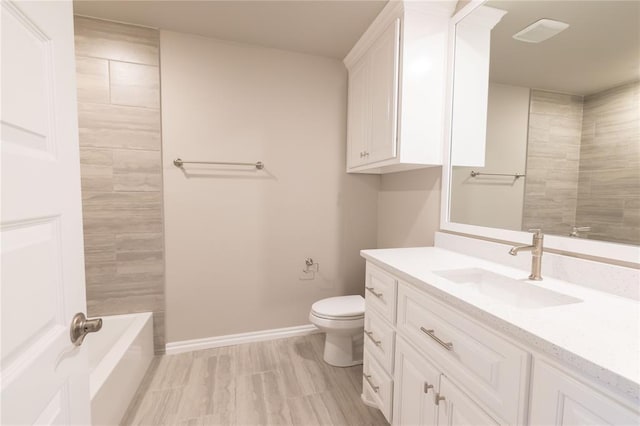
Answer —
279 382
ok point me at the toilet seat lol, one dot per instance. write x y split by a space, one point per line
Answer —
340 308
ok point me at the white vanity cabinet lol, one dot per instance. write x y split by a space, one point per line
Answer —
558 398
417 349
451 367
396 89
379 339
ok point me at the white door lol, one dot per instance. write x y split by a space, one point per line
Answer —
44 376
455 408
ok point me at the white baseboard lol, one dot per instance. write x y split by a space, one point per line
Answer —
236 339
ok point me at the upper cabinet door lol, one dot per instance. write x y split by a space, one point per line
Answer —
384 62
359 111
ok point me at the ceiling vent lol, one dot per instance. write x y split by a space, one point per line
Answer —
541 30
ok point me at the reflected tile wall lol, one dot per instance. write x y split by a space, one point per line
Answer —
553 154
609 190
119 123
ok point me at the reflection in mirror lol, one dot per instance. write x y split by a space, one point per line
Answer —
560 147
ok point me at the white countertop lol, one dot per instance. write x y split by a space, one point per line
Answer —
600 337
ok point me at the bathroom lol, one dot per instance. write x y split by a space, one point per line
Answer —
352 264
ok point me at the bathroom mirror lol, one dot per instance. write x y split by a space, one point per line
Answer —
545 132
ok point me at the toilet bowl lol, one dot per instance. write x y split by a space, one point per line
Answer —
342 319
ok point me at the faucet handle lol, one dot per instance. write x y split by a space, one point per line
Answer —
536 231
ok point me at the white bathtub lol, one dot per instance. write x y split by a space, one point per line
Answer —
119 356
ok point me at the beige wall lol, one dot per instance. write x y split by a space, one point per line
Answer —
119 124
609 186
409 208
496 201
237 238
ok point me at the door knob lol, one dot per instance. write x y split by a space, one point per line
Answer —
81 326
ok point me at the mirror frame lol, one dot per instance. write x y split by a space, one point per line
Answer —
602 250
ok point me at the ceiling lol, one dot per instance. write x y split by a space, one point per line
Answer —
600 49
318 27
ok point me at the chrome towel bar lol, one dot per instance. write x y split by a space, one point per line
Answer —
515 175
178 162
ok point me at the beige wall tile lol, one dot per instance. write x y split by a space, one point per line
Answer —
553 152
110 126
122 212
137 170
139 242
134 84
121 170
93 80
110 40
96 170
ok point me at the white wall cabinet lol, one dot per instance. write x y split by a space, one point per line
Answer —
426 363
396 89
560 399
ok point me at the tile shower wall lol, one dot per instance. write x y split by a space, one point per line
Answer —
609 190
119 119
553 154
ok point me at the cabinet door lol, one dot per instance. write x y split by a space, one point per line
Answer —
416 383
457 409
558 399
384 62
359 113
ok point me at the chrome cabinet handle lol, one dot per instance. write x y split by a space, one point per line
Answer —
373 291
439 398
367 377
427 386
81 326
447 345
370 336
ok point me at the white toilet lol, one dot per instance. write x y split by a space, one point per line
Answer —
342 318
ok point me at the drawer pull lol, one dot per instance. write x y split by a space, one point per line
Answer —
427 386
367 377
439 398
370 336
373 291
447 345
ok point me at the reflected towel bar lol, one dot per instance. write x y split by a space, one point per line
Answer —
515 175
178 162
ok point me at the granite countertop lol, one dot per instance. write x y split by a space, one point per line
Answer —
599 337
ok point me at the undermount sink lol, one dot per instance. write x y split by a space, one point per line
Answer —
510 291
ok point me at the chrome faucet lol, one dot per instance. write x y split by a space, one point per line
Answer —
536 254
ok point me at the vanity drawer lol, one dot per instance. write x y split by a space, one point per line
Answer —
492 369
380 292
377 385
379 339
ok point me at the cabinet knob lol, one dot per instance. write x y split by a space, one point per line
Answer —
427 386
439 398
